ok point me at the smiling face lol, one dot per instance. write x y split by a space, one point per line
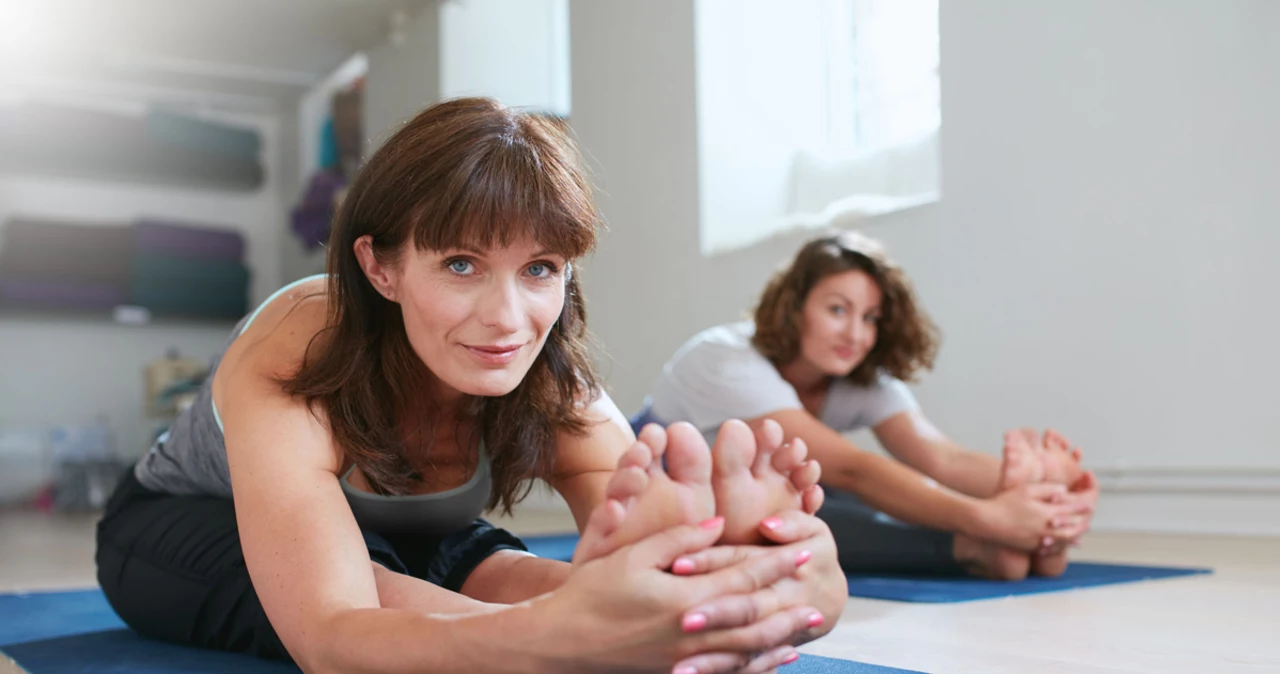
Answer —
477 318
840 322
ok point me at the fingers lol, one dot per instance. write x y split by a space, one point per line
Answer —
793 525
714 559
740 663
1068 528
744 609
1047 492
750 575
660 550
764 635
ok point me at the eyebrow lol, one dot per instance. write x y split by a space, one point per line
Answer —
475 251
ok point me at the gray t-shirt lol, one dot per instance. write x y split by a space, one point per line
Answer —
718 375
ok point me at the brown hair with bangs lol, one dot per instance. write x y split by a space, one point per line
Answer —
906 340
465 173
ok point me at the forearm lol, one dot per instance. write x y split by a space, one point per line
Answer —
392 641
905 494
968 472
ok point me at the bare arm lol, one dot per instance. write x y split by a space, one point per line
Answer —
585 463
309 563
914 440
1019 518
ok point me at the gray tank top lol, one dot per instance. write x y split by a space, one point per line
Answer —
191 458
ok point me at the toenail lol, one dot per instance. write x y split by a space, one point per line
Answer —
815 619
683 565
772 523
803 557
791 658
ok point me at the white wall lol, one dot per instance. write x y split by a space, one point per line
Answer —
762 87
403 77
635 118
66 370
516 51
1096 261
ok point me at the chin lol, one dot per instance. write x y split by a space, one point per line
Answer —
489 383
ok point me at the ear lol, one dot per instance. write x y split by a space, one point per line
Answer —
381 276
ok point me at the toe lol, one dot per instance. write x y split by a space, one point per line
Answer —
734 451
688 458
627 483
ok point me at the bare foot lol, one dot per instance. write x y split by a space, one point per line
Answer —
643 498
1021 466
1026 443
755 476
1059 460
989 560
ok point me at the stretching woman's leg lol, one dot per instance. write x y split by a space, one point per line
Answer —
173 569
871 542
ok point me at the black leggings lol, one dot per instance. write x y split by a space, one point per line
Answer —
172 567
868 541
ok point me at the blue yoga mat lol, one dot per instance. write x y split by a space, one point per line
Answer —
78 633
929 589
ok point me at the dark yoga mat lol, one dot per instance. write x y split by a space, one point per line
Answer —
933 589
77 633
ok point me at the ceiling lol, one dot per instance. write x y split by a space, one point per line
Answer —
232 53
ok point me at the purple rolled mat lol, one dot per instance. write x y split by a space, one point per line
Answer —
42 294
164 236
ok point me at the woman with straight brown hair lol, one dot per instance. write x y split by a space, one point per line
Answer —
834 336
321 500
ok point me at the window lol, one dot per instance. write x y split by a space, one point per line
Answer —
884 72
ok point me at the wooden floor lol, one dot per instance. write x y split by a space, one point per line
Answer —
1227 622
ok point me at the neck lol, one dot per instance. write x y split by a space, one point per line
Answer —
803 376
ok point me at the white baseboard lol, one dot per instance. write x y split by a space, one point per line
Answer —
1228 501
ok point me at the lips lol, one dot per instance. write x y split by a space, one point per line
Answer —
845 353
495 354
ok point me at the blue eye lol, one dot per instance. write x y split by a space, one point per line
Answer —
541 270
837 309
462 267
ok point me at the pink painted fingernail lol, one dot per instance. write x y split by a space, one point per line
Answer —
713 523
1047 541
685 670
803 557
791 658
771 523
815 619
694 622
682 566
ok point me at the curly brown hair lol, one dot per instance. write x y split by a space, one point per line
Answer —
907 340
465 173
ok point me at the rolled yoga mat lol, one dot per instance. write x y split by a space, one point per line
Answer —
188 239
39 294
62 251
76 632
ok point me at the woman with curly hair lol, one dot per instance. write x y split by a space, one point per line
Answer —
834 336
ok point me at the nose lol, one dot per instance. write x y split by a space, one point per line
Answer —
858 332
501 307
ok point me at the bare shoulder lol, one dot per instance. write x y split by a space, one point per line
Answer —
246 386
277 339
